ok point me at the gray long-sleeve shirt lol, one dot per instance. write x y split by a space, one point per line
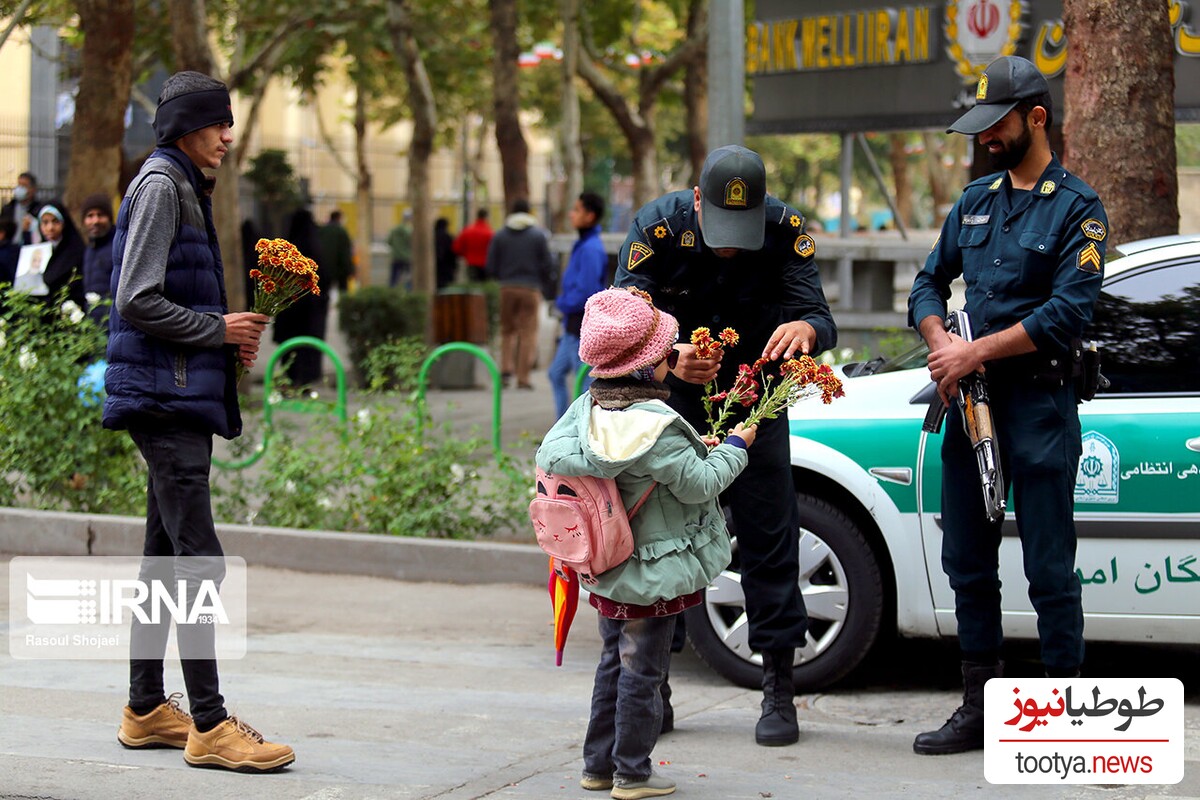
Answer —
153 223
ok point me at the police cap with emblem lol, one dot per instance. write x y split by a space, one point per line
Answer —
1005 82
733 193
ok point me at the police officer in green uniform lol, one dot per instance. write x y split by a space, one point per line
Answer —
726 254
1029 243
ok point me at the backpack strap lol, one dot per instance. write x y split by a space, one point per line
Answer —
642 500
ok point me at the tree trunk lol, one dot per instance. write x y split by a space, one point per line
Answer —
695 92
1119 124
423 107
645 166
572 150
903 182
945 182
364 235
104 84
514 153
189 41
189 36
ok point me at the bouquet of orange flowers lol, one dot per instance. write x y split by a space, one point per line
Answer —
764 394
283 276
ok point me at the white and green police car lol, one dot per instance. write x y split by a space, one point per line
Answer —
868 485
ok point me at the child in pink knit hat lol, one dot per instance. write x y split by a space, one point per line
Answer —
622 429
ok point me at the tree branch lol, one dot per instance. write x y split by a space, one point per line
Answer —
18 15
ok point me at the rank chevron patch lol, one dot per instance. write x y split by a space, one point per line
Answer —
1089 258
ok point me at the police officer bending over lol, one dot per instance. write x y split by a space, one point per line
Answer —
726 254
1029 242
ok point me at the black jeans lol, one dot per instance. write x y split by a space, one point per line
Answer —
766 521
178 523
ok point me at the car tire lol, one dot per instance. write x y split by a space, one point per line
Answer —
843 590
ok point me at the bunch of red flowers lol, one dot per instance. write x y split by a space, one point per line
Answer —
764 394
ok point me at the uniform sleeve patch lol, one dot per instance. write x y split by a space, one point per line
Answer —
804 246
688 239
1089 259
638 253
1094 229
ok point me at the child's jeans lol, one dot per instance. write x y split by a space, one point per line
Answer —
626 706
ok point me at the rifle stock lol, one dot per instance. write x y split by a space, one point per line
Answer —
976 409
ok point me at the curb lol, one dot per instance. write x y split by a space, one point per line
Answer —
58 533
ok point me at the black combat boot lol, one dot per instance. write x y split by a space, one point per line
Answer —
964 730
777 726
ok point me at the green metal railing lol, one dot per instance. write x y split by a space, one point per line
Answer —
489 362
298 405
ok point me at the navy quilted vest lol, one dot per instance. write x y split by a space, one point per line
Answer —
151 380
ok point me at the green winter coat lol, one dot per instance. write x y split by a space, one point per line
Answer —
680 541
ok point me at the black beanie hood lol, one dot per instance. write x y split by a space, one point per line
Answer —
188 102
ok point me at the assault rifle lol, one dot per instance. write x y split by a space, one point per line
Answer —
977 422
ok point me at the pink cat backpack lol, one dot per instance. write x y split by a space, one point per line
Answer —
580 521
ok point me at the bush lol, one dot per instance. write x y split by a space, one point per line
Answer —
56 454
375 315
383 472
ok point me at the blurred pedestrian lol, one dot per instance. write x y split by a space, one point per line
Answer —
399 241
443 249
585 275
23 209
97 258
472 244
65 267
519 258
308 315
337 250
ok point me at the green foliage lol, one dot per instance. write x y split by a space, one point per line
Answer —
394 365
383 472
274 181
56 455
1187 144
375 315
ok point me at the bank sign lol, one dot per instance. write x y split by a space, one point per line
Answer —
825 65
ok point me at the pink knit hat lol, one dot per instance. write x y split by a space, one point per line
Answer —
623 331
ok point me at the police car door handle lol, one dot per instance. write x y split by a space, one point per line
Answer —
1194 444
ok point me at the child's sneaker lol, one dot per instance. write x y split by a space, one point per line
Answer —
165 726
595 783
654 786
235 745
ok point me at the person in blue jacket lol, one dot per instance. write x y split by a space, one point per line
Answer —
1028 241
586 272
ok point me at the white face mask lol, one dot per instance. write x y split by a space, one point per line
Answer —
21 194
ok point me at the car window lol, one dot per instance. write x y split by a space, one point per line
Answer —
1147 325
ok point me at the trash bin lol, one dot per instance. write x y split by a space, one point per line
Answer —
459 315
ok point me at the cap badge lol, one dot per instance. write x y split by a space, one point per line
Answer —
735 193
1048 187
688 239
804 246
638 253
981 92
1094 229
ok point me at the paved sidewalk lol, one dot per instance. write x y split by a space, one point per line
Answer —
389 689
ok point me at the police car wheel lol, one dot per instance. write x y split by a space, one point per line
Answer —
842 587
